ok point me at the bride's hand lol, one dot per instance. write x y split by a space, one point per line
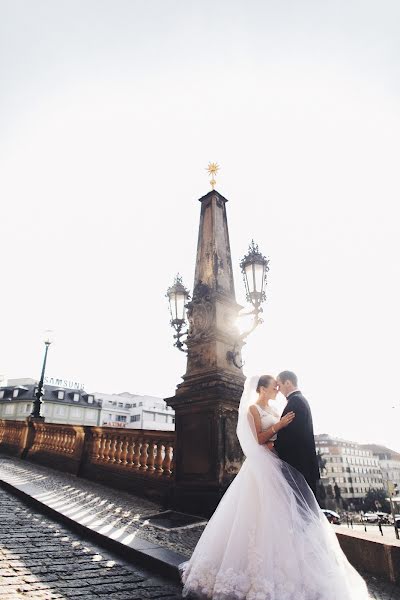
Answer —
284 422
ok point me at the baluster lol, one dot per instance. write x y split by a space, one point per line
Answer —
113 449
124 451
130 452
53 439
57 441
118 450
102 451
60 446
71 440
167 460
41 438
150 457
136 456
73 445
94 447
64 444
108 445
45 439
159 459
99 447
143 456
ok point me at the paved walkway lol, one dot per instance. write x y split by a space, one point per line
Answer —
41 559
389 534
100 507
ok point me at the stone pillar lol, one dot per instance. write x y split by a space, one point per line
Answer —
28 436
207 452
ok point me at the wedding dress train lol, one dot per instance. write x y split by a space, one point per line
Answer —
268 538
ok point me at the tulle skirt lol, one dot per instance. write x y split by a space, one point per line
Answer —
269 540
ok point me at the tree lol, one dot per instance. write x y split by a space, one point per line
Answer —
373 496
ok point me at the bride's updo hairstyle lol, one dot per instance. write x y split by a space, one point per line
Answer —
264 381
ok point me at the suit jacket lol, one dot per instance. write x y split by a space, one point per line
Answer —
295 443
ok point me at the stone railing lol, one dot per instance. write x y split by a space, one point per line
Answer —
133 459
11 436
145 452
57 445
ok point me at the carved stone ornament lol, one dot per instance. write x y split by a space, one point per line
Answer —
200 313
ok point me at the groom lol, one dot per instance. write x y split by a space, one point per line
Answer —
295 443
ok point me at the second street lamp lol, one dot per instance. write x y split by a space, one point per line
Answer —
48 339
178 297
254 267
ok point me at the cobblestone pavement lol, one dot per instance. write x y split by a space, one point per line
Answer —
113 507
41 560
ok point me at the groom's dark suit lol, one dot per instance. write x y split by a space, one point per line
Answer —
295 443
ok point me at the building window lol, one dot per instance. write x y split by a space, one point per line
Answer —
120 418
15 394
76 397
60 395
60 411
76 412
90 399
140 403
9 409
135 418
133 405
1 393
173 419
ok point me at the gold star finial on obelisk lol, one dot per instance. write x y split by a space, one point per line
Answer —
212 170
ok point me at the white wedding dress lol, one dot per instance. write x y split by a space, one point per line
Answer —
268 539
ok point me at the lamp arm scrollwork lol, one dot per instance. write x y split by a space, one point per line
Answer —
233 354
177 336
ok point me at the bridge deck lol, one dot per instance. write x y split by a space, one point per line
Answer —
42 559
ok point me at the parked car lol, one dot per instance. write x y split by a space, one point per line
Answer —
370 517
332 516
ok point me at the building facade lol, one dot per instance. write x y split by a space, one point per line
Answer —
60 405
135 412
74 406
352 467
389 462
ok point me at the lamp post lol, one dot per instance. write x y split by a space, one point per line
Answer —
35 414
178 297
254 267
207 454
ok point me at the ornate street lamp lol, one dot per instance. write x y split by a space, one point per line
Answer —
254 267
35 414
178 297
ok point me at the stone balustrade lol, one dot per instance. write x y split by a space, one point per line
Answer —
11 436
133 459
144 452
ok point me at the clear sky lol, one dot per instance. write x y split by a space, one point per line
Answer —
109 113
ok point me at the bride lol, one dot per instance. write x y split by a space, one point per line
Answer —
268 538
